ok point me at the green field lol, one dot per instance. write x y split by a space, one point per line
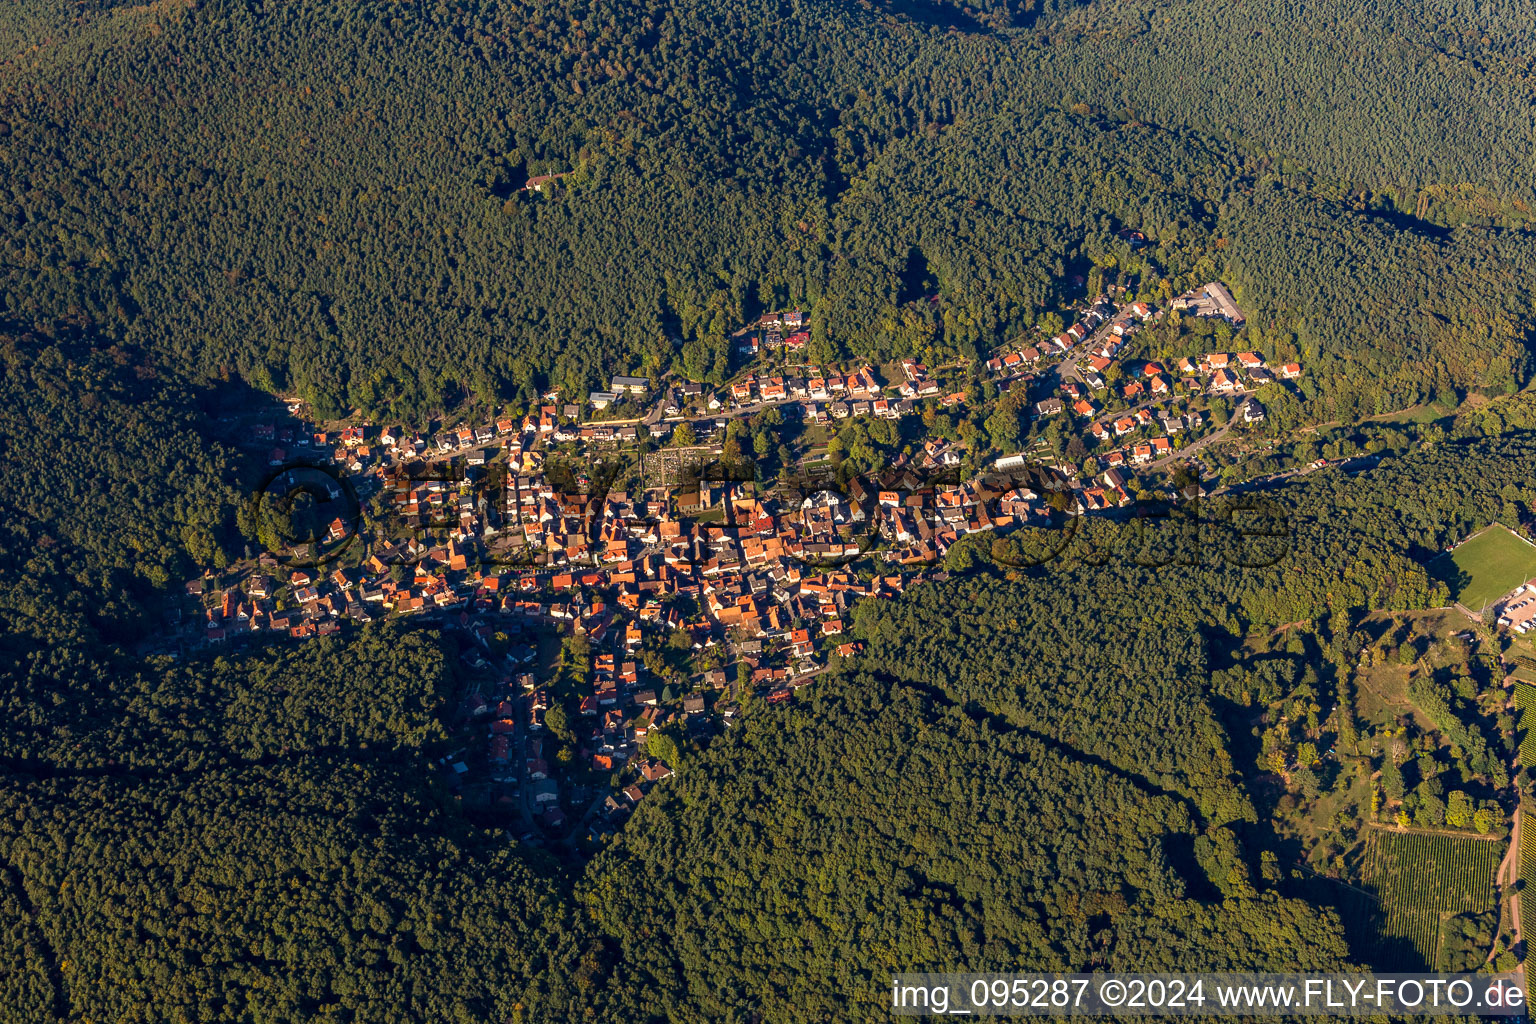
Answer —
1415 414
1423 880
1486 567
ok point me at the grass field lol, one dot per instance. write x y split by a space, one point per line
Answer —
1415 414
1422 880
1486 567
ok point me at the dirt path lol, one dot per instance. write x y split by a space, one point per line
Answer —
1416 831
1508 877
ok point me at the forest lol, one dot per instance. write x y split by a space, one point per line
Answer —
1038 766
333 202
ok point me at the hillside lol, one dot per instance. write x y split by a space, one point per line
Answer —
1162 750
787 912
332 201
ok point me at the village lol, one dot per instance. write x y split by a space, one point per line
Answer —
618 596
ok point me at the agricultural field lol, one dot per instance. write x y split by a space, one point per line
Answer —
1528 876
1437 898
1486 567
1525 701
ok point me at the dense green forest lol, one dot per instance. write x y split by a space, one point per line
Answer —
884 828
112 483
327 197
1032 766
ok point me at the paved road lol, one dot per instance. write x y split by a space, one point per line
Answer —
520 762
1184 454
1287 474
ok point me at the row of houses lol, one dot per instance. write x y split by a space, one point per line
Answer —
773 389
1229 374
1121 320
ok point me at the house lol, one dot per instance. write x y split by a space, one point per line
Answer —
1223 383
629 385
1049 407
654 771
1249 361
1213 300
1221 299
603 399
1290 371
544 181
1253 412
